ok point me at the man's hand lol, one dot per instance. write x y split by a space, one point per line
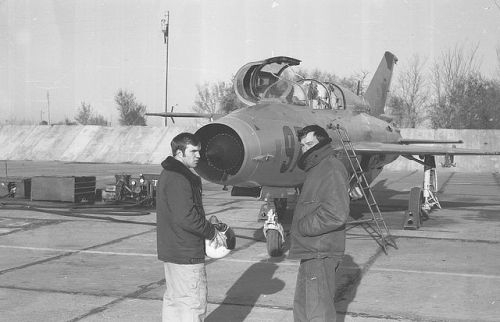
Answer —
220 238
219 225
222 227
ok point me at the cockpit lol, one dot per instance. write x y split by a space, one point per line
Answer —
270 80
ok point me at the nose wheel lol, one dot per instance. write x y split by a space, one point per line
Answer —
273 229
274 242
275 236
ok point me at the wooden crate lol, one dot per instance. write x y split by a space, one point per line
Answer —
69 189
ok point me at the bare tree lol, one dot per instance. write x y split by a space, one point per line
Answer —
450 73
319 75
86 116
216 98
410 96
479 104
131 112
230 101
98 120
355 83
209 97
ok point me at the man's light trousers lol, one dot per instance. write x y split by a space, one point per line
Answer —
185 297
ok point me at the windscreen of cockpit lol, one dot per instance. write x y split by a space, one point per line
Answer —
317 94
276 83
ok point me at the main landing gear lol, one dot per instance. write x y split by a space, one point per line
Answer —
422 200
271 212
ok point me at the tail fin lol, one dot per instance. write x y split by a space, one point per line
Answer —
376 93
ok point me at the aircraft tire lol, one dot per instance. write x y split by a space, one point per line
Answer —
415 204
274 243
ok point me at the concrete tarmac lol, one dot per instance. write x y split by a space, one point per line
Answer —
67 264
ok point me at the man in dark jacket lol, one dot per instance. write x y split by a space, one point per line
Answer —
181 232
318 226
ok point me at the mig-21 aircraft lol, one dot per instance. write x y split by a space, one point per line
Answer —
255 149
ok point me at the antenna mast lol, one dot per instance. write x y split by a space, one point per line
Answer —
164 28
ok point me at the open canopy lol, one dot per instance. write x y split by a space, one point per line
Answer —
253 79
270 80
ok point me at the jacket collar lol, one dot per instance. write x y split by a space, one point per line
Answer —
314 155
172 164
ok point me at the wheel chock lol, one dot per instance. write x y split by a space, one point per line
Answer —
411 222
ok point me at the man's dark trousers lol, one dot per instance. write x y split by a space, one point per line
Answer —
315 290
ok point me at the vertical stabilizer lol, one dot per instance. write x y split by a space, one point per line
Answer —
376 93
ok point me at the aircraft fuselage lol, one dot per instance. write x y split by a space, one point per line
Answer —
258 145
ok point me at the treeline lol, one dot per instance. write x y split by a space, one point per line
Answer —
449 93
131 112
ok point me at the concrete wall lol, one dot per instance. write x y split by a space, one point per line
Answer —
134 144
150 145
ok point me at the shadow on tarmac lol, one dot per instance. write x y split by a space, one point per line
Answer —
260 277
349 277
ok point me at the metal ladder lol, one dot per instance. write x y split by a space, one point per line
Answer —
381 230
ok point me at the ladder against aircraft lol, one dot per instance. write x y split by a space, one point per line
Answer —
379 230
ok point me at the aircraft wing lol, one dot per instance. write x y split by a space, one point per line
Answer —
388 148
193 115
421 141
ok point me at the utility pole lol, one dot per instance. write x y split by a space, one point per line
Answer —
164 28
48 107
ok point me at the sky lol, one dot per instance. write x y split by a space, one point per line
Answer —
56 54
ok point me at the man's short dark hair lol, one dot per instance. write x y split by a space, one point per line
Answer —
180 142
319 133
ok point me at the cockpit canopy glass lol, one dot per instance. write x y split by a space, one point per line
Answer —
253 79
270 80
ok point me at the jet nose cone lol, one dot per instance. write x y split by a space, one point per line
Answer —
222 152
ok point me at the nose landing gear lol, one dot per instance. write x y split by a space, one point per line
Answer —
274 233
273 229
423 200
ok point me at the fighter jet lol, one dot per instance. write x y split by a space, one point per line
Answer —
255 149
